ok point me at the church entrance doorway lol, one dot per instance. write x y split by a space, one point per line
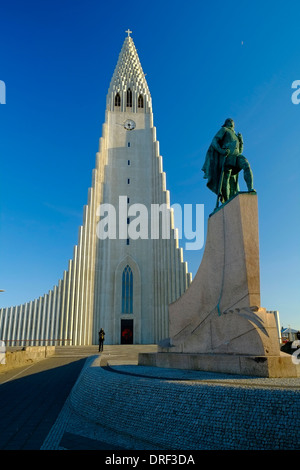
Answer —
126 331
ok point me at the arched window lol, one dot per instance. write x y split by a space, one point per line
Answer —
140 101
129 98
127 290
117 100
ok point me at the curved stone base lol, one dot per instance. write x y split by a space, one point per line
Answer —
178 414
260 366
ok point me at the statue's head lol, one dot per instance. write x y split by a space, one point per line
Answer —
229 123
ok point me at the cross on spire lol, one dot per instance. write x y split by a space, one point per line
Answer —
128 32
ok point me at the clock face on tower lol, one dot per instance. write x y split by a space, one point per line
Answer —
129 124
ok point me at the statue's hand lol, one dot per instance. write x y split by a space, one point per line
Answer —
240 137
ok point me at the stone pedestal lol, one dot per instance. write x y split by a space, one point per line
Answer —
218 323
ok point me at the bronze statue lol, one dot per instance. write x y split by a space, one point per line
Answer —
224 161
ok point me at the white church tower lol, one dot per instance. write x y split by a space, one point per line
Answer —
127 266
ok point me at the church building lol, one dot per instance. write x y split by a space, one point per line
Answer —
127 266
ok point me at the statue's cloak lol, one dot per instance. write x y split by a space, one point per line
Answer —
212 169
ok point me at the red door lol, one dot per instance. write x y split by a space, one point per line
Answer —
126 331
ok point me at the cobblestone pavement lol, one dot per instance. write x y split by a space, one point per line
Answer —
117 405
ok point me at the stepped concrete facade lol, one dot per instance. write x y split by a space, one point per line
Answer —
123 284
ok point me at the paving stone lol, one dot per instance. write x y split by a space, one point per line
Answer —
117 405
139 407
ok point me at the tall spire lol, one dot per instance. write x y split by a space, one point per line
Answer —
128 77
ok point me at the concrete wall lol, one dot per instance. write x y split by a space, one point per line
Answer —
15 357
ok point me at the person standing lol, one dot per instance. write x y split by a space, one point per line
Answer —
101 339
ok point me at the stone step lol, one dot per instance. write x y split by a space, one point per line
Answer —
76 350
130 352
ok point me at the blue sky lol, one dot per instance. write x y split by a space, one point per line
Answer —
204 61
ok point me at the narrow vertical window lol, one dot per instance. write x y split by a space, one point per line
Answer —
117 100
128 162
127 290
129 98
140 101
128 181
128 144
